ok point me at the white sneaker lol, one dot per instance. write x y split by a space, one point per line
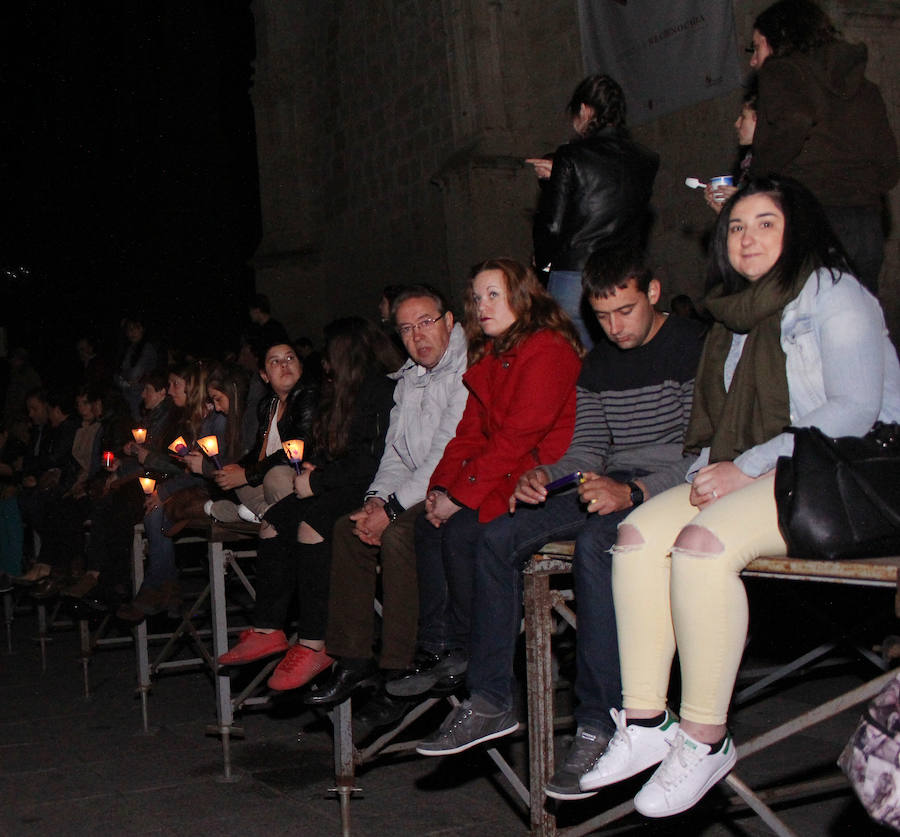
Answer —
632 749
685 775
246 514
208 508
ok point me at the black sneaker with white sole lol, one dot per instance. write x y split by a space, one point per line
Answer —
587 746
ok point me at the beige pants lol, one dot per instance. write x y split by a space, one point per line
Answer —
276 485
666 597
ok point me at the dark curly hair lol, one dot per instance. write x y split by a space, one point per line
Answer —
534 308
603 94
794 26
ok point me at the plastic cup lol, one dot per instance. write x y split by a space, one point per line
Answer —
717 182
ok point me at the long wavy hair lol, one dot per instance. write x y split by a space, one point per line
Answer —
196 408
808 241
232 381
533 307
355 350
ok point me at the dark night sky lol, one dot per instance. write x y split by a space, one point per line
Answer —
128 168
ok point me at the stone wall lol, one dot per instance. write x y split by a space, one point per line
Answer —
391 137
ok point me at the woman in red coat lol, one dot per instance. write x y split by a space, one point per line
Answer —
524 359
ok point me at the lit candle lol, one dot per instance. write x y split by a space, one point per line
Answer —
293 449
108 458
179 446
210 446
148 484
140 435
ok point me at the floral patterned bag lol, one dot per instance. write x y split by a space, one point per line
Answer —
871 759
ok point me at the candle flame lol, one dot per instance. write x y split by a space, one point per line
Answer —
210 445
293 449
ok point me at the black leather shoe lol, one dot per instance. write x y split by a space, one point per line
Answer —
87 607
346 676
381 711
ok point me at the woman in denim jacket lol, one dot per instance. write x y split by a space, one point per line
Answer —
797 341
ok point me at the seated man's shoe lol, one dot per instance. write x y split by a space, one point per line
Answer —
429 670
689 770
587 746
380 711
464 727
35 574
631 750
48 587
347 675
254 645
298 667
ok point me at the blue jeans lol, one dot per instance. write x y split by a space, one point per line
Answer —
161 565
507 544
565 287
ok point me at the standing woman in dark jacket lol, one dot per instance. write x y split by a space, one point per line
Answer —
264 476
595 195
342 455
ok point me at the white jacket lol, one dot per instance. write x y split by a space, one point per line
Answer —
428 405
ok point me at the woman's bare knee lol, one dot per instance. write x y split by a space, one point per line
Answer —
698 540
267 530
629 535
306 534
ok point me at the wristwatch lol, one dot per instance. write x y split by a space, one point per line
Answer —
637 496
392 508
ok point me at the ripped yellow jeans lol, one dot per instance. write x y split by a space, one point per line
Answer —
693 600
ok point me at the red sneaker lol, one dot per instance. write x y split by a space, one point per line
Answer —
254 645
298 667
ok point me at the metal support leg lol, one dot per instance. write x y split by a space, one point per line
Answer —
43 633
84 635
344 764
540 695
8 607
224 709
141 650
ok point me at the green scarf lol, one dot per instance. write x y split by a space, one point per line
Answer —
756 406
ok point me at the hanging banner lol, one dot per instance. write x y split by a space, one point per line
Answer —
666 55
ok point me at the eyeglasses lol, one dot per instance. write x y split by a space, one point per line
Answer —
426 324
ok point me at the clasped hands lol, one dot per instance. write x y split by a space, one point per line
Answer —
371 520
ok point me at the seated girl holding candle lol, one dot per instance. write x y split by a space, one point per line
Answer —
343 451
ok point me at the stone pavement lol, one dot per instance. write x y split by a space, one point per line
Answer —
76 766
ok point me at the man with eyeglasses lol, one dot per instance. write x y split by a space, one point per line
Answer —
429 401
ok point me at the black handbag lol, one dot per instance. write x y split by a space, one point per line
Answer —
840 498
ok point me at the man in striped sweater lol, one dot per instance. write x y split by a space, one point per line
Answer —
634 401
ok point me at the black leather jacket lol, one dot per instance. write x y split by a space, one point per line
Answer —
596 198
296 423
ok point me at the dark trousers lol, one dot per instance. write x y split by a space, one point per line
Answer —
860 230
353 577
507 544
445 559
285 568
